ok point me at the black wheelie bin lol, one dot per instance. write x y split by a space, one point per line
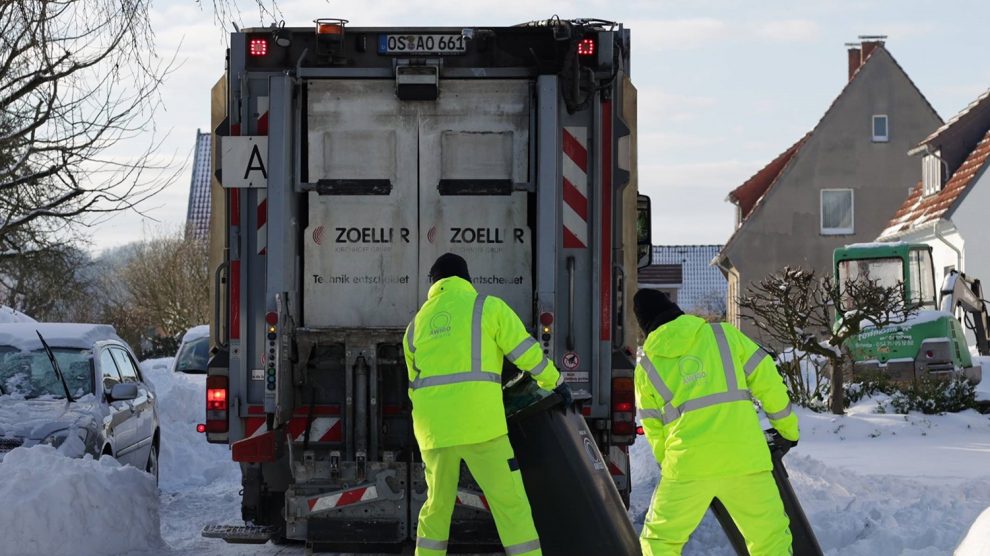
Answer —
576 507
804 542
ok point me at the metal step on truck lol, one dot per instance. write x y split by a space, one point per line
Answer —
347 160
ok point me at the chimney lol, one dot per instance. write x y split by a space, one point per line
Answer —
860 51
855 60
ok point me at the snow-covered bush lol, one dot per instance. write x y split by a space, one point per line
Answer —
929 396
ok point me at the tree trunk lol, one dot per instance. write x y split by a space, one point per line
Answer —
836 396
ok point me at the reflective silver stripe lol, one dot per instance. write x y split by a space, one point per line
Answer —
705 401
560 380
670 412
649 414
410 334
728 364
539 367
430 544
522 348
654 376
754 361
479 306
523 548
782 413
455 378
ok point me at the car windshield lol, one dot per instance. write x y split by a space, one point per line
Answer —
193 355
29 374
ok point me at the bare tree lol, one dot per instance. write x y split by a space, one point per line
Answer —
77 78
812 315
712 306
51 284
166 286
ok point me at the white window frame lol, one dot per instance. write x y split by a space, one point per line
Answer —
932 177
852 213
873 128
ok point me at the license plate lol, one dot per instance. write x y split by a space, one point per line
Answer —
422 44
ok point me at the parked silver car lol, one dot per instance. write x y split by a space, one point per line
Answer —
91 399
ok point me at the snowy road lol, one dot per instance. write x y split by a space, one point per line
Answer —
871 484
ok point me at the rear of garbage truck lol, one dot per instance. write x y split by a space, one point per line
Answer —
347 160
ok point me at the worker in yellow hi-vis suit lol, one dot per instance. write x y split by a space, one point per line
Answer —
694 391
454 350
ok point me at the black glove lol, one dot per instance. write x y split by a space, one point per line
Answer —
564 391
778 443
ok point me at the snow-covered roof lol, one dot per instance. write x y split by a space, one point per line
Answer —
24 336
10 315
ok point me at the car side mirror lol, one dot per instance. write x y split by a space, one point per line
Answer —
123 391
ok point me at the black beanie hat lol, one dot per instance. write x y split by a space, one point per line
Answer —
653 308
448 265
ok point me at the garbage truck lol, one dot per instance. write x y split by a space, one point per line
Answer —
347 159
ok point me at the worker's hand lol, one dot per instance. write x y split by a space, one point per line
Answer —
778 442
564 391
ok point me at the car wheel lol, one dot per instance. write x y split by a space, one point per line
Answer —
152 467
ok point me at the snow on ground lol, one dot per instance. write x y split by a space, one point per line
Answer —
199 482
871 484
977 541
55 505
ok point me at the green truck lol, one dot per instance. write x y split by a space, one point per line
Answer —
932 342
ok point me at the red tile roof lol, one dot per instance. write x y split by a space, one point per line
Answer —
918 209
753 189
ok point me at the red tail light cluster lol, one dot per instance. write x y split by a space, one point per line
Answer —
623 407
216 404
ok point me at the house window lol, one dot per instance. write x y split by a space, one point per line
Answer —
880 129
931 173
837 211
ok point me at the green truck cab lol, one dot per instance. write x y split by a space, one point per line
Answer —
929 344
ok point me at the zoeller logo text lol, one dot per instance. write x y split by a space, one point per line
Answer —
370 235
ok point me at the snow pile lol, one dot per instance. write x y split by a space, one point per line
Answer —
977 541
186 459
9 315
871 484
56 505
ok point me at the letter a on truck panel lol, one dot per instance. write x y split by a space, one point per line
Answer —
243 161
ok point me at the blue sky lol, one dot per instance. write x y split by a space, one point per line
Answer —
724 86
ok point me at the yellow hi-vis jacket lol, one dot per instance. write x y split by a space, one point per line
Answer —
454 349
694 387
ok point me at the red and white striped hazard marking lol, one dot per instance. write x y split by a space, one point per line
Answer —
326 427
472 500
575 171
262 129
342 498
262 222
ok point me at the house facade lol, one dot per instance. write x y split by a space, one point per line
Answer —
838 184
949 205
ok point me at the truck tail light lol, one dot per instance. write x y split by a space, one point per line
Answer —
623 407
216 404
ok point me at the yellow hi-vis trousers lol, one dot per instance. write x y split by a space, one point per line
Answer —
753 501
491 463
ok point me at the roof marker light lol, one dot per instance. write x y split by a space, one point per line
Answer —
586 47
258 47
